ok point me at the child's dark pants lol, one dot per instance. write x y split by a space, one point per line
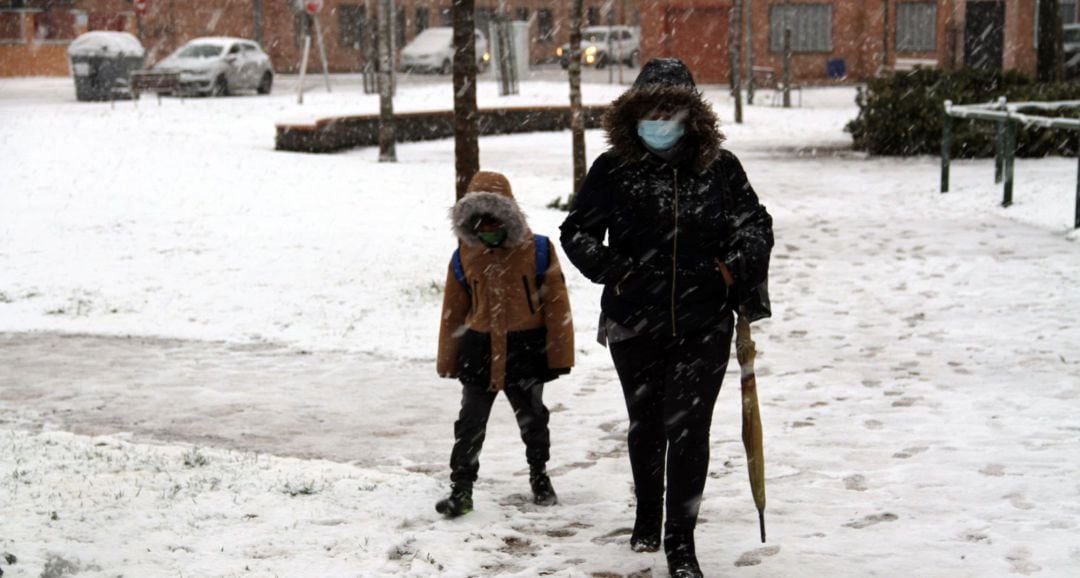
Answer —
526 398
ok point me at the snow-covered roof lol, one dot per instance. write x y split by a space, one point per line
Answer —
102 42
219 40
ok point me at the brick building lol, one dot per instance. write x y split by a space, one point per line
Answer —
868 36
34 33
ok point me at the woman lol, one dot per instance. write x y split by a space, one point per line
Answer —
687 241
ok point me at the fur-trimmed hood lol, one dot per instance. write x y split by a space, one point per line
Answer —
489 193
668 83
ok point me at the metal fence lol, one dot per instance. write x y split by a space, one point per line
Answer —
1007 117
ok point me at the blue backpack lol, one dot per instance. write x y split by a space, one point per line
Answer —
543 260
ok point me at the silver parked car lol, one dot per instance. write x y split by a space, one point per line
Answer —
625 43
433 50
219 66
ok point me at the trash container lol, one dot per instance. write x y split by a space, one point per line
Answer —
101 62
836 68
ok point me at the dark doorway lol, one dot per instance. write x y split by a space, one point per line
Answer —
984 34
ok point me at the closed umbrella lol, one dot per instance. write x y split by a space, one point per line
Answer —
751 417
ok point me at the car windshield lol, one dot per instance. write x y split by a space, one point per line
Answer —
200 51
594 37
432 39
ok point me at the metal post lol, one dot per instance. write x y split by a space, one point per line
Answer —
257 20
1010 161
611 43
999 146
303 67
946 148
999 151
322 52
787 68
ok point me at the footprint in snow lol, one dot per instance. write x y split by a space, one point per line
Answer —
1020 559
755 557
871 520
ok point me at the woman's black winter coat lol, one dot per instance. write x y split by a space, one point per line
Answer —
669 224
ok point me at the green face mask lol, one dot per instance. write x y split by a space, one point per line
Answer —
494 238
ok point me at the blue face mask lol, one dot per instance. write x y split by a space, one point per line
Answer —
660 134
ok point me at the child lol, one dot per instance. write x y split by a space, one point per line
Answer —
506 326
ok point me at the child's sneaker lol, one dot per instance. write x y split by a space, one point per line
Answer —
458 503
543 493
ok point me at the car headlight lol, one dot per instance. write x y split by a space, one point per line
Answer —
590 51
558 52
487 57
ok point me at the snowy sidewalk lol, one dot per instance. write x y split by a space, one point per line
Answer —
920 379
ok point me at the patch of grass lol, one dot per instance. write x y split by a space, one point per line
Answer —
303 488
193 458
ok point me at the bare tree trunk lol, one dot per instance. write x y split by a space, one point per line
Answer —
1050 52
387 148
749 52
735 56
577 118
371 38
466 130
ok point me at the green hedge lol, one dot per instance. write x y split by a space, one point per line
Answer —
902 114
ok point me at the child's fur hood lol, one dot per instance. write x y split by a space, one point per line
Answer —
489 194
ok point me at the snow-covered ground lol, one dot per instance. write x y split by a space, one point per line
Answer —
217 359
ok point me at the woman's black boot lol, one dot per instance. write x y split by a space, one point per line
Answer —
681 557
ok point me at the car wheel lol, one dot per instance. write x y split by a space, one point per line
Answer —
447 67
221 87
266 83
564 63
601 61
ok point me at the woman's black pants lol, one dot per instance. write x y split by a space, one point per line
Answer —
470 429
670 385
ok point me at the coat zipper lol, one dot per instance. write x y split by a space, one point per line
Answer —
674 254
528 295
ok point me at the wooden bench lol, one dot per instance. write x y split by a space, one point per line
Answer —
909 64
154 81
764 77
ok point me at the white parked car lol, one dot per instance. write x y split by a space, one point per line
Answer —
220 66
433 50
625 43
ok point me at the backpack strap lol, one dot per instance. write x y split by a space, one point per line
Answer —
459 269
543 261
543 257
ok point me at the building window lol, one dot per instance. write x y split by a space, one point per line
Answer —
108 21
351 19
55 26
810 24
521 14
446 17
1068 11
423 15
547 25
916 27
11 28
